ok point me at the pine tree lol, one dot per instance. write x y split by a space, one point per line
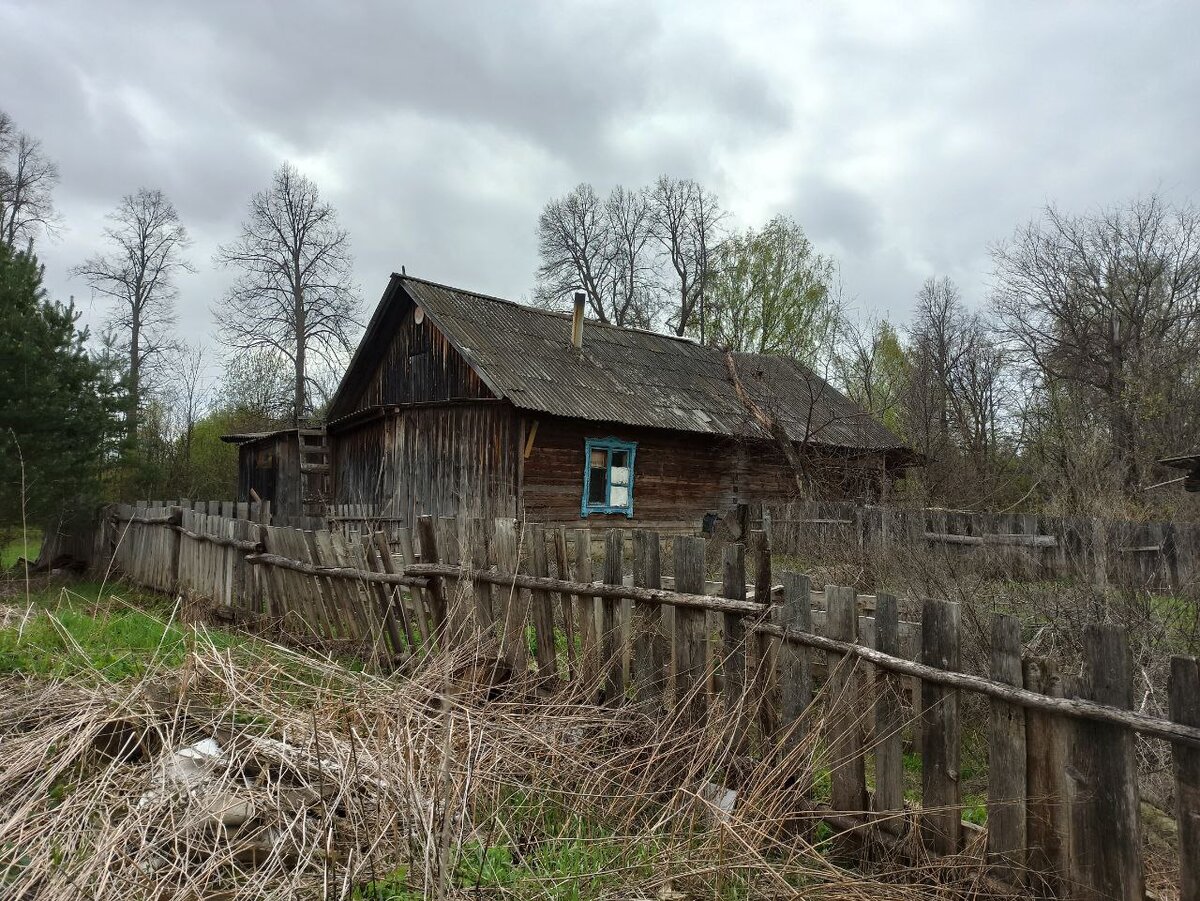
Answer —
57 407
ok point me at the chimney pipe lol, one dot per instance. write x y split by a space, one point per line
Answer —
577 322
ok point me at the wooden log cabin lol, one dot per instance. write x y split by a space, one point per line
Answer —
457 402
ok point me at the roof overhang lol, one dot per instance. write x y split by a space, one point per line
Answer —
251 437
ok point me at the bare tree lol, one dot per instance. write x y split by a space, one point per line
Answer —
632 297
599 247
954 395
190 394
294 293
138 274
686 220
1106 306
27 181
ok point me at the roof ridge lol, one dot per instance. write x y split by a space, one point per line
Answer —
540 310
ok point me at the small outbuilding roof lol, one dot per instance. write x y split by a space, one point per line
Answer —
621 375
250 437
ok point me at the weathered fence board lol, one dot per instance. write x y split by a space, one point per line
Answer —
1062 793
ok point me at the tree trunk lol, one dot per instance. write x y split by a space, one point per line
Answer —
300 348
135 373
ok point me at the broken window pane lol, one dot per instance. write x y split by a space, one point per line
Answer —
597 482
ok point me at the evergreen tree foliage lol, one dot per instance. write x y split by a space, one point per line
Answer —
56 402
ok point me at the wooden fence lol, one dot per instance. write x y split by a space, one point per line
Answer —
1156 555
652 630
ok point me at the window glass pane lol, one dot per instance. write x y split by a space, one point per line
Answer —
599 458
618 475
619 496
620 458
597 483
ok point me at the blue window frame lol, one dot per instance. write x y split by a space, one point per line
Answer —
608 476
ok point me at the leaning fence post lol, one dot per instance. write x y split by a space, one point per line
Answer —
690 665
889 720
849 776
649 642
511 598
612 652
941 814
427 536
1184 702
1006 755
482 591
395 599
1105 833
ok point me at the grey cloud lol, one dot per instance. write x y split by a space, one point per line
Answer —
905 140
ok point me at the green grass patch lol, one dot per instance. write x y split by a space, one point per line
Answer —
16 543
93 631
535 849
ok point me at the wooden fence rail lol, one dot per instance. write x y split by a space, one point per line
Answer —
1062 793
1156 555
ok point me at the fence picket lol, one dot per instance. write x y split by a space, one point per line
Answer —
941 807
512 599
733 652
1184 700
690 662
795 660
650 642
1105 828
849 777
542 605
1006 838
612 646
889 720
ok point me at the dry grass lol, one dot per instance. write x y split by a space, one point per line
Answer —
339 784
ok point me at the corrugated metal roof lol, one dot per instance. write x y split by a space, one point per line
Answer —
247 437
626 376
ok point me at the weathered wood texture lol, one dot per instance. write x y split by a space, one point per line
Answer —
651 646
1105 831
457 460
1184 694
1045 783
848 764
269 468
941 807
889 720
691 663
1006 755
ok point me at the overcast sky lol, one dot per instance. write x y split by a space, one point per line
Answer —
904 137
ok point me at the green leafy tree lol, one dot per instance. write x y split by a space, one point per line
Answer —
773 293
872 368
57 405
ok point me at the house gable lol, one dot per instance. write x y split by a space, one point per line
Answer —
405 359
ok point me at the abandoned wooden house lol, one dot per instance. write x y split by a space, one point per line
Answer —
459 402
